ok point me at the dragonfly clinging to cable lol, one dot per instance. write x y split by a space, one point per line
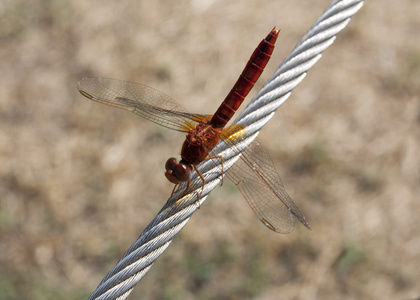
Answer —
254 173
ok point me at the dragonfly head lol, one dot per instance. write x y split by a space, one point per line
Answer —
177 172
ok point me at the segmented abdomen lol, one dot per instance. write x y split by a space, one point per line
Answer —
246 81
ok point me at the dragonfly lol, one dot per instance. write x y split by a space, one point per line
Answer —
254 173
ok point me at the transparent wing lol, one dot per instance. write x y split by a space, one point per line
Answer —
142 100
260 184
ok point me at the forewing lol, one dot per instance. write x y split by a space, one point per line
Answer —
142 100
257 179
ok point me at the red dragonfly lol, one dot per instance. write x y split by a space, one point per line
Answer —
254 173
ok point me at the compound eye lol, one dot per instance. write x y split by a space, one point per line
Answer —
181 172
176 172
170 164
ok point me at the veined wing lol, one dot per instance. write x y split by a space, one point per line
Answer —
142 100
260 184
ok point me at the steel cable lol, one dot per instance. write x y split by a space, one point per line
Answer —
157 236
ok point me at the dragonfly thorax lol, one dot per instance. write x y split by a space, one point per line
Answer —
198 143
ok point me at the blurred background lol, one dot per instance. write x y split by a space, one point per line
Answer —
79 181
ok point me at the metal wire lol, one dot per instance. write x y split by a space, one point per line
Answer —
157 236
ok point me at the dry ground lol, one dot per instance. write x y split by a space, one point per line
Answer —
79 180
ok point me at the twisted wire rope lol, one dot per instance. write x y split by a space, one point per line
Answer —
157 236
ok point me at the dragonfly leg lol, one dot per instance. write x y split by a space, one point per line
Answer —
176 189
217 157
202 187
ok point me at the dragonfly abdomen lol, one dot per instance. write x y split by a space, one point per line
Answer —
246 81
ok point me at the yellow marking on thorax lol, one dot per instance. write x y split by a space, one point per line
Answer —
234 132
